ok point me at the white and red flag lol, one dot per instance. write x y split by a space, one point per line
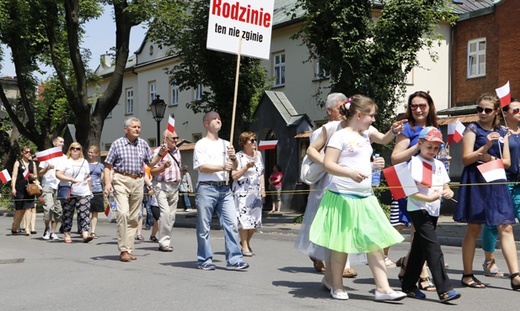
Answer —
400 181
171 124
455 132
108 212
422 172
267 144
48 154
4 176
493 170
26 174
504 93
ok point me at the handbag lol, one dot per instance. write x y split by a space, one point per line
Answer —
33 190
311 171
64 192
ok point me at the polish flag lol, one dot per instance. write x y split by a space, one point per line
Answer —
4 176
108 212
26 174
455 132
493 170
267 145
171 124
504 93
400 181
421 172
48 154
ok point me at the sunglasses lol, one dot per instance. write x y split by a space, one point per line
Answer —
485 110
515 111
26 151
416 106
252 140
75 148
174 138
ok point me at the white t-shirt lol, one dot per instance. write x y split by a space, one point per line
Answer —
356 151
49 179
80 171
439 178
212 152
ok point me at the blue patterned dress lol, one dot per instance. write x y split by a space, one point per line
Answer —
488 204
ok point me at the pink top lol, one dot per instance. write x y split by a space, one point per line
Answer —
275 176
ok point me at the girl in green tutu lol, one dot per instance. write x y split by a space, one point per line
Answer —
349 219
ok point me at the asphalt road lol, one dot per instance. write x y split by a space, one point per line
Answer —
51 275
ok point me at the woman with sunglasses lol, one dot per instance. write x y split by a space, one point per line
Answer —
248 190
489 233
481 202
420 113
75 172
24 172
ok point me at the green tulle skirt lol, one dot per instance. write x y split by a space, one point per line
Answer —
352 224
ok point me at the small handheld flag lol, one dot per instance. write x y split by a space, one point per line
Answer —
504 93
493 170
48 154
4 176
267 144
171 124
455 132
400 181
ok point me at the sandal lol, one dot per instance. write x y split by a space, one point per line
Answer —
427 284
475 283
514 286
88 239
153 238
491 269
93 235
67 240
167 248
349 273
389 263
400 262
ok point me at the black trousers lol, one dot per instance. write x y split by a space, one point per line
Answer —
425 247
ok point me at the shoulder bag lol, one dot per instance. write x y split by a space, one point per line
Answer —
311 171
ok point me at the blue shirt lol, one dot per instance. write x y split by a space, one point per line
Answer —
128 157
95 176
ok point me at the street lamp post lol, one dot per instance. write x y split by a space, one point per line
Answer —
158 107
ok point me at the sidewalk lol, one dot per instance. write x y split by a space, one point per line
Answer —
450 233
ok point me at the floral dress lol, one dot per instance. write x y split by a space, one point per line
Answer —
247 192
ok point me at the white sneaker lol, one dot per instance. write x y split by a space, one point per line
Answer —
54 237
393 296
46 235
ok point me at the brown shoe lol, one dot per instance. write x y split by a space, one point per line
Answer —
349 273
318 264
125 257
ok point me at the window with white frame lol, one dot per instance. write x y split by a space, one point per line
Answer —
197 95
477 58
319 72
129 101
279 69
174 94
152 87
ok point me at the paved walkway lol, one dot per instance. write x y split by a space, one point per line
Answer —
450 233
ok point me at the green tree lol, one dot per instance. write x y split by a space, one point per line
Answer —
372 56
185 25
50 33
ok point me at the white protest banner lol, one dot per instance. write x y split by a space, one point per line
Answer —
250 20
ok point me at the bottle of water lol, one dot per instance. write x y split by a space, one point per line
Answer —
443 157
376 174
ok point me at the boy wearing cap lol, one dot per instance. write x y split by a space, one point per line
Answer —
423 207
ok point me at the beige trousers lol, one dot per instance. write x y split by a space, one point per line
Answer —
128 193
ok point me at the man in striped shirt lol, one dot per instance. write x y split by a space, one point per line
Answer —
166 178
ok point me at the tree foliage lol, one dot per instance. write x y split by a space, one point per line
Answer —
50 33
369 53
182 26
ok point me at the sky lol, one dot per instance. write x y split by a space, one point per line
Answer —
99 38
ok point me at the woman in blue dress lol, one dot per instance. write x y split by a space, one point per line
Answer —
481 202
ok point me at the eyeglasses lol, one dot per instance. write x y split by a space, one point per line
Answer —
174 138
252 140
515 111
26 151
415 106
75 148
485 110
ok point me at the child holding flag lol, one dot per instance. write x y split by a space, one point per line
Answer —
423 208
484 201
349 218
